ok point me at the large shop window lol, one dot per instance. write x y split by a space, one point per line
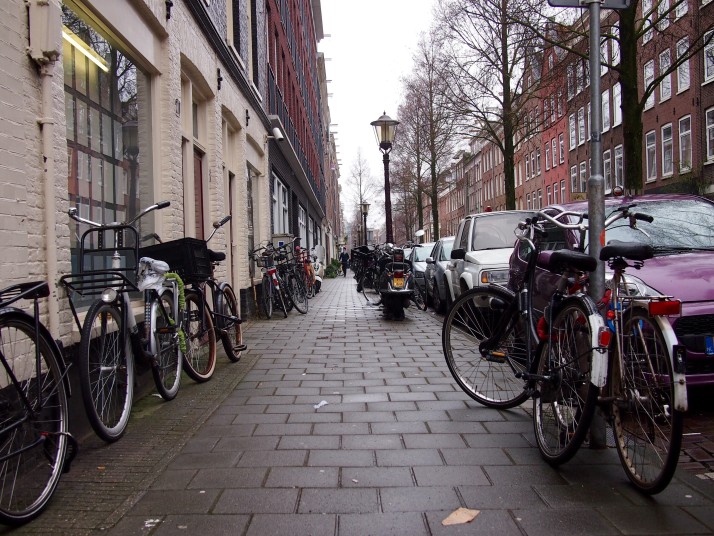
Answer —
281 203
108 116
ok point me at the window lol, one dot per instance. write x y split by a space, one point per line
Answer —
579 76
562 191
547 156
560 103
663 15
571 124
538 168
281 196
685 144
554 148
648 79
302 226
589 123
603 57
561 144
606 171
574 178
548 195
552 109
581 126
540 198
667 151
708 57
583 176
710 134
616 105
683 68
651 155
606 110
665 85
570 79
647 15
555 192
619 170
615 44
681 9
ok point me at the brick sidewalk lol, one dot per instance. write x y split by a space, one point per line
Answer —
393 448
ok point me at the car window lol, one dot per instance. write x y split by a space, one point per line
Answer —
446 250
678 224
495 232
464 241
420 253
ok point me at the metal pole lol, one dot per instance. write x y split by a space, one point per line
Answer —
596 191
387 198
364 215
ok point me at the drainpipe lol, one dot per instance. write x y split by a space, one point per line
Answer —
44 48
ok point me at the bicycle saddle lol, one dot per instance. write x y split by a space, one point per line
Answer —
634 251
561 260
216 256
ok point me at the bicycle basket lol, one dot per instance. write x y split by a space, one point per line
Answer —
186 256
263 261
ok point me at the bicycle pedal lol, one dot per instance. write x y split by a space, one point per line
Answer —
240 347
496 358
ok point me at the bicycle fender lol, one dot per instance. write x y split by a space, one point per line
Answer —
675 353
598 373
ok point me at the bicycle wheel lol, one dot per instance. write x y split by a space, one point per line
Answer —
648 430
488 379
165 347
106 371
419 298
280 297
33 442
369 287
298 294
266 296
199 361
231 330
564 406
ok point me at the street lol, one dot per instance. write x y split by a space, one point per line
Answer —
339 422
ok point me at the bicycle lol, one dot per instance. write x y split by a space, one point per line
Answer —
294 282
501 354
645 396
419 298
35 445
110 338
272 287
204 323
305 263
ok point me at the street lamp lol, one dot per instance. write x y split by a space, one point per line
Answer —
364 207
385 128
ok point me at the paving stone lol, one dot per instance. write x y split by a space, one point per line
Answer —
563 522
212 524
412 524
342 458
486 522
374 477
408 457
257 501
280 524
303 477
420 499
635 520
234 477
339 501
164 502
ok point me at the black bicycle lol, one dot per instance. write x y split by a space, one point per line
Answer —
35 446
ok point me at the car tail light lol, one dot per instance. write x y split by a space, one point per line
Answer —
665 307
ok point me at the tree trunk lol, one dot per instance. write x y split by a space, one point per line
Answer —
631 105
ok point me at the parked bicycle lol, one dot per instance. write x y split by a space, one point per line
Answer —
204 323
35 445
273 291
501 353
292 274
110 338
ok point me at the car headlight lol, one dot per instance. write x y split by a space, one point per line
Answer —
494 276
634 286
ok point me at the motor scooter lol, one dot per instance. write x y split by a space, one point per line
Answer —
395 281
317 254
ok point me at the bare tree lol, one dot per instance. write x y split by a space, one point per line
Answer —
490 93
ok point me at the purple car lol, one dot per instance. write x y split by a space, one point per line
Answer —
682 235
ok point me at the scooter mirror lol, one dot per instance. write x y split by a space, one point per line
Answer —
419 233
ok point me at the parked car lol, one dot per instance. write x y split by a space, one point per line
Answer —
436 286
418 256
482 247
682 235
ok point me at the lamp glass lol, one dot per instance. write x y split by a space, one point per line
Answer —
385 129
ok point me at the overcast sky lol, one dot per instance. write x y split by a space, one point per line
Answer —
368 47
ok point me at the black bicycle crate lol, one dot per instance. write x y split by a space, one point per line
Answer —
186 256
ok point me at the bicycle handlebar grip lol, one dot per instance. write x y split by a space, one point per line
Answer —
643 217
163 204
224 220
72 212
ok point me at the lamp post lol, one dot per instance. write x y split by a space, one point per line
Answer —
364 207
385 128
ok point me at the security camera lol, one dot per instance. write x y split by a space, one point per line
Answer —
277 134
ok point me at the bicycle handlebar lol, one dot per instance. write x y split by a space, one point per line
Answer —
73 213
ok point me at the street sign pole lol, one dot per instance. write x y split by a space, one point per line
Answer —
596 181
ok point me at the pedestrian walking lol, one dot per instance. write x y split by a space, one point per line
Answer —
344 260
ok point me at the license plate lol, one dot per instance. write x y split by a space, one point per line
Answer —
710 345
398 282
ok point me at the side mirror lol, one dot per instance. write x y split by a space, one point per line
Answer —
429 260
419 233
458 254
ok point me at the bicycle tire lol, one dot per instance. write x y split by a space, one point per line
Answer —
30 477
280 297
106 371
369 283
564 406
298 293
165 347
419 298
266 296
231 331
199 360
648 430
472 319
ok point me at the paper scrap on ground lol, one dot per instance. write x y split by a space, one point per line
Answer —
322 403
460 516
